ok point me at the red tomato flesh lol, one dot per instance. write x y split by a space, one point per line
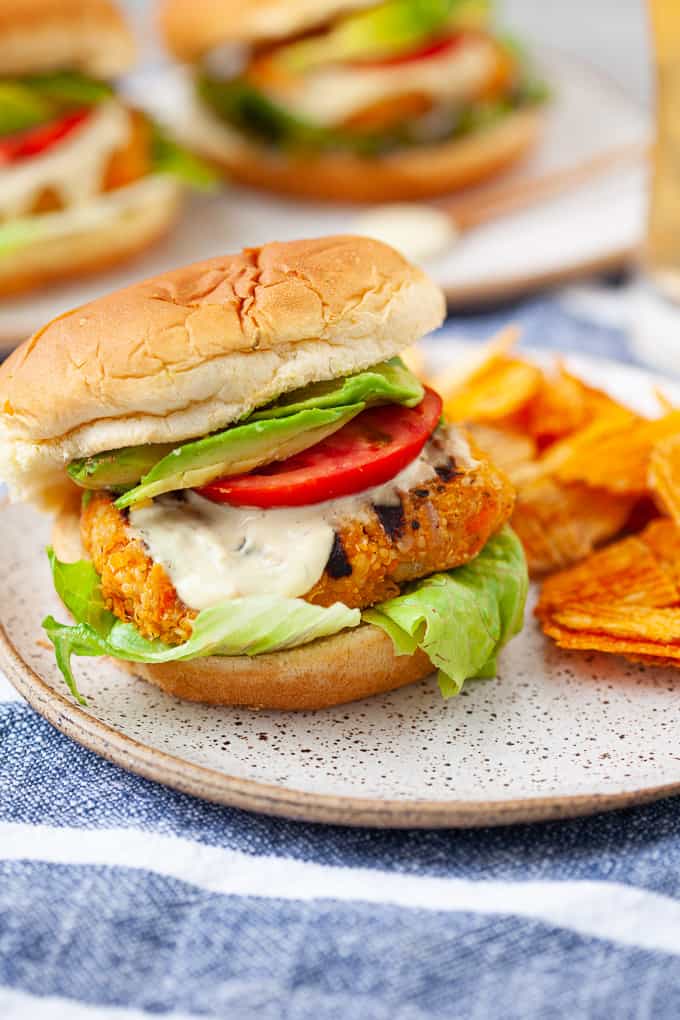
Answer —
432 48
370 450
37 139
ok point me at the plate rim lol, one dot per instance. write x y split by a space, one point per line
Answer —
254 795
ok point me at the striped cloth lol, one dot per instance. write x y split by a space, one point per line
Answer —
122 899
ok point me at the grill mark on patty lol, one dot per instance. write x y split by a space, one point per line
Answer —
447 470
391 519
338 564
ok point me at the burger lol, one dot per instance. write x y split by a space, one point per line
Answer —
85 181
257 503
352 99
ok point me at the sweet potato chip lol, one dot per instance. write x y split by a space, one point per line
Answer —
507 448
627 572
616 454
664 475
561 524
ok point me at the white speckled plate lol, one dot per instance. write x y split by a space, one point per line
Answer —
556 735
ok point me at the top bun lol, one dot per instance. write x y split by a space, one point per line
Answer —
48 35
195 349
194 27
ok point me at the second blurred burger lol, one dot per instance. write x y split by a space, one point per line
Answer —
85 181
352 99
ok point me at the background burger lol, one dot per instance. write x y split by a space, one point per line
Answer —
273 512
85 181
352 99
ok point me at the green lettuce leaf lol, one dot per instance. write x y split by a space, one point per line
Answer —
462 618
245 626
169 157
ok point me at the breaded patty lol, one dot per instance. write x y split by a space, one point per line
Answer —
436 526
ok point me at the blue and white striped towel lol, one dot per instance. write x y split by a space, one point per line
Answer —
122 899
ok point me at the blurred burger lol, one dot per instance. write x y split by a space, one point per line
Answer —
273 511
355 100
85 181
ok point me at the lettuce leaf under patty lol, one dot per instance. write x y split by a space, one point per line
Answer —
461 619
245 626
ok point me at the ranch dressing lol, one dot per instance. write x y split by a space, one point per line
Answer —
213 551
73 168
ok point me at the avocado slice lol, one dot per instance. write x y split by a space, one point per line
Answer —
388 383
117 469
237 450
21 108
383 31
34 99
68 88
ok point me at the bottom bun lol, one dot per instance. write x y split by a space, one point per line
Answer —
332 671
346 667
414 173
116 227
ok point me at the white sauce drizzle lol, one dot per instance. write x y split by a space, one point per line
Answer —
331 95
214 552
73 168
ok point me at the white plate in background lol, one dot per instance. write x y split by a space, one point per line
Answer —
593 227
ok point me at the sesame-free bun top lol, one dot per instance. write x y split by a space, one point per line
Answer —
48 35
196 349
194 27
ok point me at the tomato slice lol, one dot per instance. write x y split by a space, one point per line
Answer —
370 450
431 48
38 139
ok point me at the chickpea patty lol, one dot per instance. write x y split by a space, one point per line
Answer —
436 526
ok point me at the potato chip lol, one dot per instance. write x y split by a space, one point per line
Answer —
662 536
627 572
665 402
561 524
634 623
613 454
507 448
499 393
653 652
565 404
476 362
664 475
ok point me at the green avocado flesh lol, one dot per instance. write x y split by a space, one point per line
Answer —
384 31
28 101
239 449
295 422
